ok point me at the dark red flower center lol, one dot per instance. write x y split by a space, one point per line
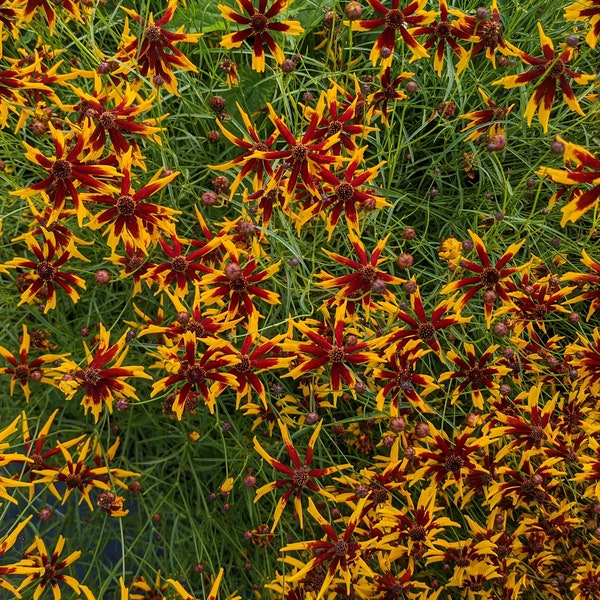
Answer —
344 191
334 127
245 364
91 376
153 33
368 273
442 30
394 19
73 480
417 533
179 264
490 32
22 372
336 354
557 69
135 262
260 147
540 311
299 153
126 206
45 270
108 120
61 169
49 575
340 548
453 463
490 277
239 285
195 374
258 22
300 477
475 375
536 433
426 331
196 327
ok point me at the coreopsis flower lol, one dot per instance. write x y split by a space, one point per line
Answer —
50 573
260 168
395 20
180 268
44 79
341 556
488 121
531 482
7 458
238 284
422 327
130 218
414 526
257 355
71 167
587 11
585 357
198 370
135 265
339 350
366 279
61 234
587 576
533 304
34 447
402 584
12 83
387 92
590 283
581 199
531 428
193 317
445 460
477 374
117 121
48 8
24 566
550 70
155 53
445 32
335 117
397 380
304 158
24 368
486 34
46 274
103 379
345 194
257 25
492 279
77 475
297 478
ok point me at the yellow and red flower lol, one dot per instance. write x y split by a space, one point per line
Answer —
25 368
340 350
258 25
46 274
103 379
587 11
395 20
550 70
155 52
586 173
199 371
297 477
